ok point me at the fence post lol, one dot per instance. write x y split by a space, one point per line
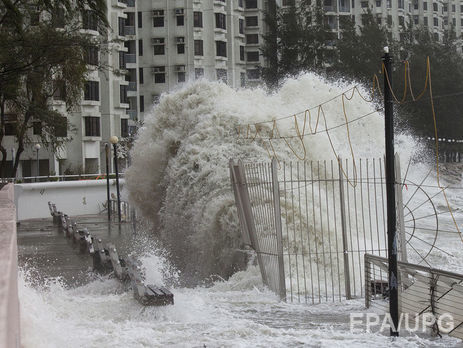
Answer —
400 210
278 229
367 280
239 205
344 232
243 194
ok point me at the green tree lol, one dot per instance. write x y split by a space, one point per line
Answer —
41 58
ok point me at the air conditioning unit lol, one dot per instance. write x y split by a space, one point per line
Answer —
180 68
179 11
158 13
180 40
157 41
159 69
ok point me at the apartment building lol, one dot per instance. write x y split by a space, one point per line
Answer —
101 113
182 40
156 46
436 15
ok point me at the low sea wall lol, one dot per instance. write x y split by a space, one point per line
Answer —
9 303
73 197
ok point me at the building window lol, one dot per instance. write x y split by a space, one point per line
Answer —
199 48
89 20
197 19
37 128
10 128
242 53
124 127
253 74
252 21
221 48
252 39
240 3
140 19
123 94
92 126
180 45
436 36
92 90
389 20
160 74
222 75
416 19
415 4
140 47
436 22
180 21
425 21
241 25
378 3
251 3
121 26
60 127
122 64
434 7
158 18
91 55
401 4
59 90
401 21
243 79
364 4
425 5
158 46
180 76
142 103
453 8
220 21
199 73
140 76
253 56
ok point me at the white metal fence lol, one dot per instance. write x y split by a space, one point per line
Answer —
311 222
421 290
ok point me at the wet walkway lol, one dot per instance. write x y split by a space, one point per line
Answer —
48 253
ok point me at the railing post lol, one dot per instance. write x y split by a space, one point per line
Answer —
278 229
345 250
367 280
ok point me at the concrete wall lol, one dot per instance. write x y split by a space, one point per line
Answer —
72 197
9 303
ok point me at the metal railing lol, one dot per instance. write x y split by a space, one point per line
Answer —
421 290
127 214
129 30
51 178
130 58
327 214
132 86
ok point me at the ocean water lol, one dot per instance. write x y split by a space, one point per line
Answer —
179 182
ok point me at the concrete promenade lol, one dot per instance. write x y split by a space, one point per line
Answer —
49 254
9 304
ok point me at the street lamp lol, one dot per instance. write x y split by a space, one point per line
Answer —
114 140
37 148
108 202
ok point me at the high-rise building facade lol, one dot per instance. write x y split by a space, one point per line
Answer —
155 46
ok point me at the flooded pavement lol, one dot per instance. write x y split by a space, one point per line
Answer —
43 246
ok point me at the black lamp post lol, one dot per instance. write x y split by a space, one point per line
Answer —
108 197
37 148
114 140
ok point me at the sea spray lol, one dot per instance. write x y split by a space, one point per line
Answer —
179 178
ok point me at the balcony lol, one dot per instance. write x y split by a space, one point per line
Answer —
129 30
130 58
132 86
